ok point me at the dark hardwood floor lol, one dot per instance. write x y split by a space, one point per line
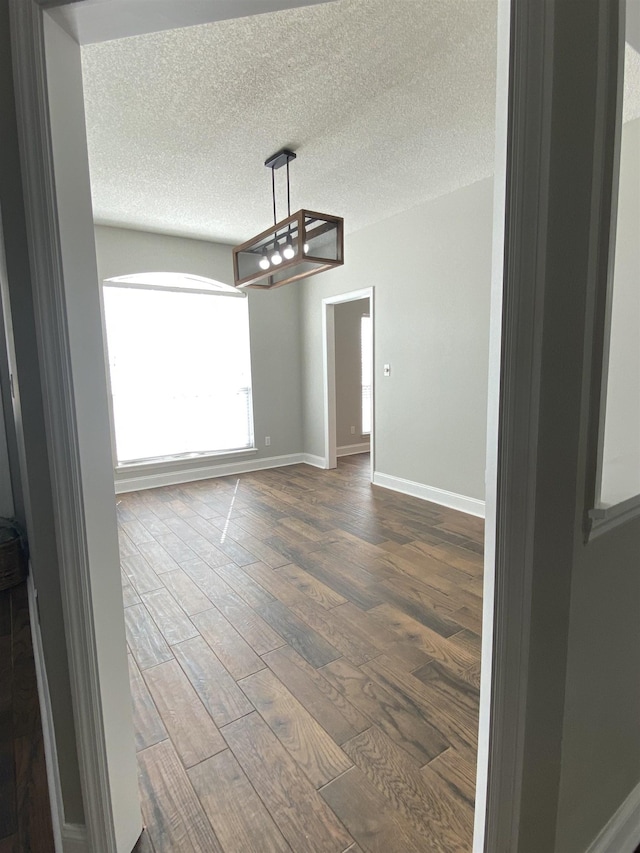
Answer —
304 660
25 816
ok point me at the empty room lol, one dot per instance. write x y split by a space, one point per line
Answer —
319 381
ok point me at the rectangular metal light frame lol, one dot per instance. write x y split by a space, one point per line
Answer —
296 224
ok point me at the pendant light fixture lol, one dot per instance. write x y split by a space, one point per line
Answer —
303 244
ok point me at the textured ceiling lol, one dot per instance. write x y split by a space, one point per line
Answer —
387 103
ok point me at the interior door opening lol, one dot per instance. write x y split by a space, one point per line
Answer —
348 364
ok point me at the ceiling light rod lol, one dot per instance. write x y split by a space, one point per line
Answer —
277 161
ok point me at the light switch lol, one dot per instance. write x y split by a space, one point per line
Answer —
387 370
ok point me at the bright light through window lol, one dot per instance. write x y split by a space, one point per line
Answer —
366 351
180 369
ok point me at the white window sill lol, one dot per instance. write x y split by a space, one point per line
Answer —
191 460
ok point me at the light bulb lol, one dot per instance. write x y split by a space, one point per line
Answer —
263 263
276 258
305 248
288 251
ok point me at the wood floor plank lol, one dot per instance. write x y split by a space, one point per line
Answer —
210 582
377 635
311 586
468 618
233 550
147 723
339 575
457 767
8 803
172 812
25 809
147 644
368 816
33 806
140 574
274 582
329 707
25 703
174 624
236 655
407 656
208 552
244 585
298 634
9 844
449 554
469 641
190 727
150 521
301 735
176 548
451 712
432 814
259 634
451 655
159 559
395 716
8 816
126 546
136 531
472 676
217 690
299 811
253 544
129 595
238 816
336 629
188 594
431 608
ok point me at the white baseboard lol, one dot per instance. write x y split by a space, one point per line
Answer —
46 715
74 838
154 479
472 506
352 449
621 834
316 461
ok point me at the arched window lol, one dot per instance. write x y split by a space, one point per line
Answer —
179 365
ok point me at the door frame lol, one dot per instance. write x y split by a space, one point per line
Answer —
523 142
329 374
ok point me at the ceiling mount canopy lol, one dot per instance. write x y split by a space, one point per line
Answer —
303 244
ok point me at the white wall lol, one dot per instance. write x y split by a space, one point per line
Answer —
621 460
347 325
273 319
431 270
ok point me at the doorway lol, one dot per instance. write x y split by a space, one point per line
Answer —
349 397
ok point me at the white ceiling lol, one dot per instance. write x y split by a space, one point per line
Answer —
387 103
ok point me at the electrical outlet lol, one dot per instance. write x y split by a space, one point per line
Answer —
353 430
267 441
